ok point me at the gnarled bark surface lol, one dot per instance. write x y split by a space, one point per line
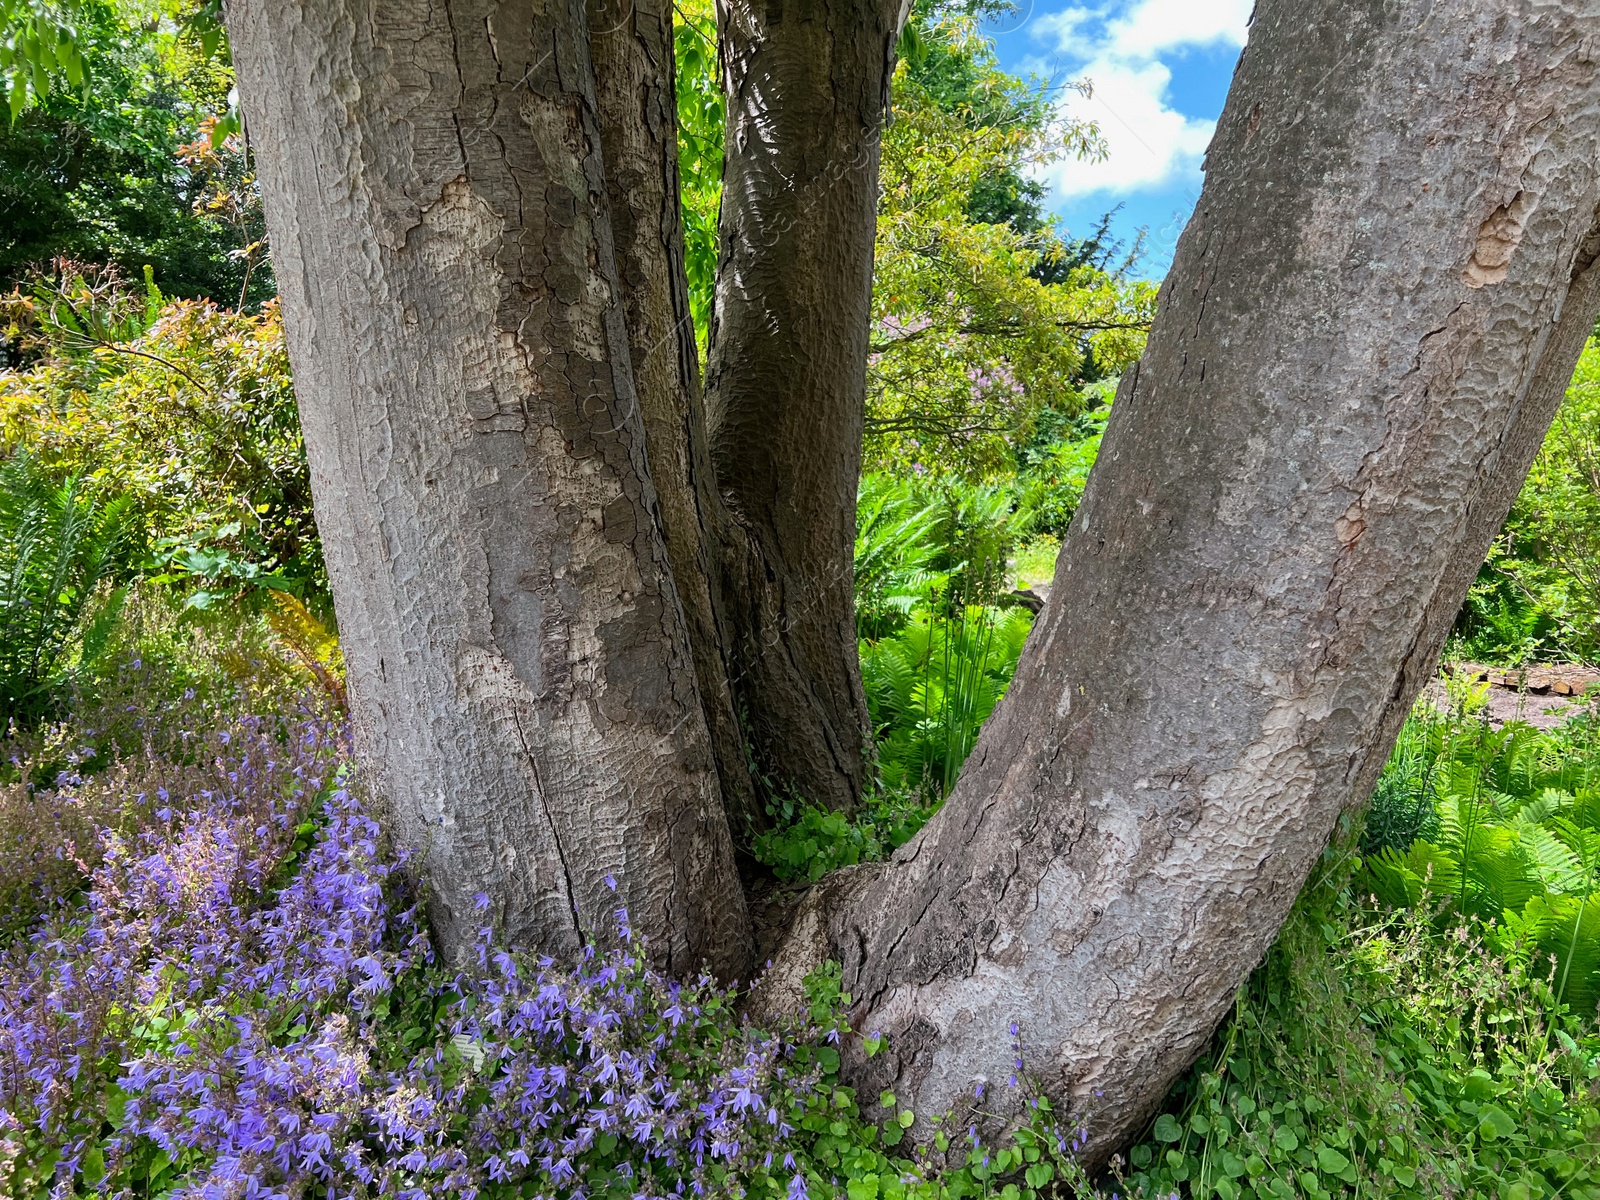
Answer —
519 669
807 83
1367 328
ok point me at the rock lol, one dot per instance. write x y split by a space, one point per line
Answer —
1029 599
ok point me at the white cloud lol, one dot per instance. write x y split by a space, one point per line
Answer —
1151 26
1118 48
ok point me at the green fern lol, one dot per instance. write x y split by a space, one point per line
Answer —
931 687
894 550
57 545
1513 836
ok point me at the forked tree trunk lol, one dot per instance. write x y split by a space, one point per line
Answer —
807 83
519 669
1367 328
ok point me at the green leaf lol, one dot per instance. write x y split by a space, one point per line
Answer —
94 1165
1330 1160
1495 1122
1166 1129
1284 1139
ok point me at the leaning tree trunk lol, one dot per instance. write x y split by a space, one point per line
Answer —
519 670
807 83
1367 328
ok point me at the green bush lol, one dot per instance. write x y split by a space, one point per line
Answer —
1538 595
810 841
101 171
1054 473
185 408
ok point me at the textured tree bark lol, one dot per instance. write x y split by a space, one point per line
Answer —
1367 328
631 45
519 669
807 83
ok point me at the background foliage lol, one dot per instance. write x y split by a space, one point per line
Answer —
90 162
182 408
1538 596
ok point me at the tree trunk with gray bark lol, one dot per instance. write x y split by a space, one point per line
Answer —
631 44
807 83
1367 328
524 697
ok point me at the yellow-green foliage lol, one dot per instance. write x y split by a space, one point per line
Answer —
968 342
183 407
701 119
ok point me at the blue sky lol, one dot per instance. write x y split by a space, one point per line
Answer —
1159 71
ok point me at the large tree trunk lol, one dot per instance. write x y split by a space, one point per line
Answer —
1367 328
807 83
519 669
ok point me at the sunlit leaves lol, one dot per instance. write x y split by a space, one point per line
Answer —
39 45
701 118
968 342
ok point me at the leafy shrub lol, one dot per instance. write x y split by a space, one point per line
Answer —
183 407
809 841
93 170
57 545
1050 484
1538 595
1515 840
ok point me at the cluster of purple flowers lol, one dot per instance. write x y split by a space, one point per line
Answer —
610 1075
244 1004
